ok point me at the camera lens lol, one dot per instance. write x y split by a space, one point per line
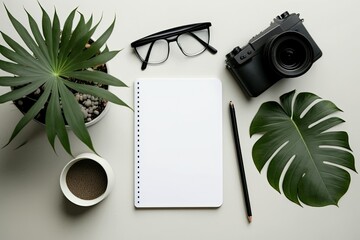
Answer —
289 54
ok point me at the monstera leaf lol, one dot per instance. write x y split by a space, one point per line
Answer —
303 155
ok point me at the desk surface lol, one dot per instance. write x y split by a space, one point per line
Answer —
31 202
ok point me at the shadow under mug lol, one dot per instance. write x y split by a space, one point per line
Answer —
80 173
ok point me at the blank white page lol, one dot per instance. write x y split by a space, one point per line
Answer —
178 143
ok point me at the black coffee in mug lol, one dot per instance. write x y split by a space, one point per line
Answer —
86 179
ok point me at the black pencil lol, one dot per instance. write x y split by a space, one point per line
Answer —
240 161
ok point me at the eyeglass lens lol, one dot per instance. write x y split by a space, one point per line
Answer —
159 51
191 44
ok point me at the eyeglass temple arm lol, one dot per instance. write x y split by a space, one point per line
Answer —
145 62
205 44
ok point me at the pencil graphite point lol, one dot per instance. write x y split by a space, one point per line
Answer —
250 219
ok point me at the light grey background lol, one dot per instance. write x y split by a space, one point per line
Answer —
31 203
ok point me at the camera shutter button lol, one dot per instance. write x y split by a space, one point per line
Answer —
236 50
233 53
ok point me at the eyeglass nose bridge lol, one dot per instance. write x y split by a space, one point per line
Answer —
172 39
175 39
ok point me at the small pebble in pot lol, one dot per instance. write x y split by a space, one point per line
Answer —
37 91
87 103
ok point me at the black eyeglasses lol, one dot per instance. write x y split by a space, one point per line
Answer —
192 40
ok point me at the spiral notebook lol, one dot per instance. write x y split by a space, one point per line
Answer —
178 143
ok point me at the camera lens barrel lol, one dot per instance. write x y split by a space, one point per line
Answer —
289 54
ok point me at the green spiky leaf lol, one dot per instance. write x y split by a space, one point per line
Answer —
297 143
55 124
95 61
57 55
23 53
34 110
21 92
73 114
96 76
96 46
26 37
67 29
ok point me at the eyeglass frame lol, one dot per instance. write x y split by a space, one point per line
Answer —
172 32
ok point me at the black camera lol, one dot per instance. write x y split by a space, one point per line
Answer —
283 50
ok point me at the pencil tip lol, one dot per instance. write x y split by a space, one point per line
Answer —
250 219
231 103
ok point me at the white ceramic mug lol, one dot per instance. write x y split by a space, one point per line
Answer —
82 202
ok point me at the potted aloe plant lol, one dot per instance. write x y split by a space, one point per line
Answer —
63 73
